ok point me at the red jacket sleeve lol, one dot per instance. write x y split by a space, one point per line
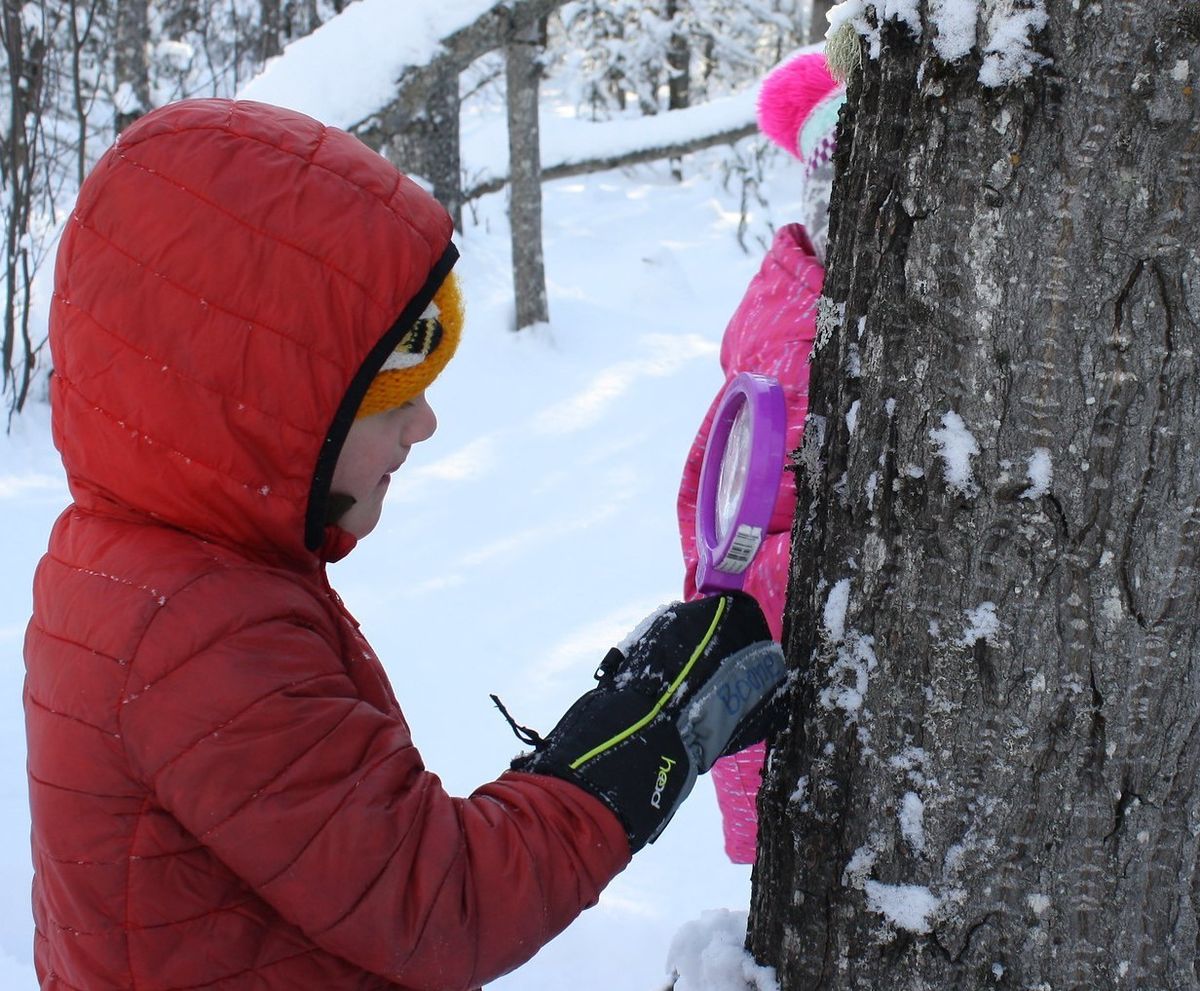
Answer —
259 744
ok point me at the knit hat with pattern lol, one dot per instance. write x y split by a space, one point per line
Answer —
798 107
421 355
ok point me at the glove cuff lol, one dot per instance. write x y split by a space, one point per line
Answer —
642 778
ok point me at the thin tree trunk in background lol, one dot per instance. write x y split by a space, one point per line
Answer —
419 132
817 22
523 76
131 68
25 78
270 24
444 161
679 63
80 99
992 776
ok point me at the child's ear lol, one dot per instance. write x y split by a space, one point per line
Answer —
338 506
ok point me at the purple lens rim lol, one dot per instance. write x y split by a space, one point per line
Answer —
724 558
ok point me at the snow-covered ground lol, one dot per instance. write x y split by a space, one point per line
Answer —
523 540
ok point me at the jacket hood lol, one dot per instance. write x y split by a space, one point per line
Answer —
231 279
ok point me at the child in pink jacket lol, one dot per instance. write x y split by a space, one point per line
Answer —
772 333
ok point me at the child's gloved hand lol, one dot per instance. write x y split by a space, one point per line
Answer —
694 684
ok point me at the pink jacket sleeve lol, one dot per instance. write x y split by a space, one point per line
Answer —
771 333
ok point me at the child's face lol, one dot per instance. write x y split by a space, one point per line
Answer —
375 447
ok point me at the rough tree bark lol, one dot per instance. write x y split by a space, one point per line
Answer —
523 77
991 775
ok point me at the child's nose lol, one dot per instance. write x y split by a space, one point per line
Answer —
422 423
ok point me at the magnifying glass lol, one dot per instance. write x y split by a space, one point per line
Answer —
739 480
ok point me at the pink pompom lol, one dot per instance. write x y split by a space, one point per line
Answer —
788 95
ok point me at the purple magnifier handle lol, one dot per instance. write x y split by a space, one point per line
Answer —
739 480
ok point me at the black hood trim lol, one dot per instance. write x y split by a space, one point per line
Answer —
343 419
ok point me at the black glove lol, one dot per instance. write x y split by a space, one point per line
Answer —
692 687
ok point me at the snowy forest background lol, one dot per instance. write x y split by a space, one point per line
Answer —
547 476
77 71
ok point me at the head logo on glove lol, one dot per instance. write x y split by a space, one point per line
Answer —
661 782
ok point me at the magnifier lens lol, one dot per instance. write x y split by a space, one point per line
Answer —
734 467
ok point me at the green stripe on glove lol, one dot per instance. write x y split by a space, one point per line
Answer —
696 682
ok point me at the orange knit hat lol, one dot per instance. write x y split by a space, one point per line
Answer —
421 354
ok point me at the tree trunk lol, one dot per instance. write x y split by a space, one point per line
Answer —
131 68
817 22
419 132
679 58
679 83
270 24
525 176
991 774
25 74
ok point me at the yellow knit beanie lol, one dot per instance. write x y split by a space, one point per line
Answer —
421 354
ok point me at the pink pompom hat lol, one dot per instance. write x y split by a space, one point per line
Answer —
798 106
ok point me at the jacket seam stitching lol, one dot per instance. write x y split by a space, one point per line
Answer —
212 982
333 814
60 638
133 654
170 449
387 204
277 239
279 773
370 886
74 719
151 592
441 889
210 731
125 924
195 295
166 364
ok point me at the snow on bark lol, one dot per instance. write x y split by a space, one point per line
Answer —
1009 54
912 821
834 617
849 675
954 27
1008 31
982 624
957 446
905 906
1041 474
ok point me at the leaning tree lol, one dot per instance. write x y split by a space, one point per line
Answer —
992 774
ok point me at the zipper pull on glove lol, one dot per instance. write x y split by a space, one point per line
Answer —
668 703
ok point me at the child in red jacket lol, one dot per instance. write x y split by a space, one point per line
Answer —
772 333
248 307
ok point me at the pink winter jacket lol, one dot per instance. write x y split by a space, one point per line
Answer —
771 333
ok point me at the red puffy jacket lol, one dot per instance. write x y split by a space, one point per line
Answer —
224 791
